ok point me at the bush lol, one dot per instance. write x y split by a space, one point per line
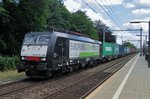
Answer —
9 63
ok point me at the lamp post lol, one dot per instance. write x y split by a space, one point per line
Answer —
149 38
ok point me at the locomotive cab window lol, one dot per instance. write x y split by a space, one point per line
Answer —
30 39
36 39
43 39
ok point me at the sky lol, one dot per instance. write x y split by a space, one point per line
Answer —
117 14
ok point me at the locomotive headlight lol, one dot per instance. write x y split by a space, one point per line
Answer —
23 58
43 59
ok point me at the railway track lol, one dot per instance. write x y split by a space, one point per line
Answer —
60 87
101 82
68 93
16 86
13 82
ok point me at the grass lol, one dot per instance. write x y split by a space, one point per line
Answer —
10 74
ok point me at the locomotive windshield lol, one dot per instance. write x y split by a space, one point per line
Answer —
36 39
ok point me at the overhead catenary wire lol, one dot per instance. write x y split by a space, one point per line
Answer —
111 12
92 8
104 10
108 14
115 11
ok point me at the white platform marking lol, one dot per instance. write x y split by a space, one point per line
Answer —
117 94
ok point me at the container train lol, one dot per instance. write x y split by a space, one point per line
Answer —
44 54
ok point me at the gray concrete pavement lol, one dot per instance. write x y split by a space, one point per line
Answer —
130 82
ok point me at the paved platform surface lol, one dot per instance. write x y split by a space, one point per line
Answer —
130 82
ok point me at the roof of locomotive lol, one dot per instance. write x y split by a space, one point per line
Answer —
66 35
76 37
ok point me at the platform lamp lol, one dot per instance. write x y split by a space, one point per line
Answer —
148 40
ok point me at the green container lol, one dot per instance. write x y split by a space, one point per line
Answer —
108 49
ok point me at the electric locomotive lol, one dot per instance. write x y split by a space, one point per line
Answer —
44 54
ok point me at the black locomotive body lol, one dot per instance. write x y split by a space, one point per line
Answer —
44 54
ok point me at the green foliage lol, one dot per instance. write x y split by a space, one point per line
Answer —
100 26
59 17
18 18
83 24
2 45
33 14
9 63
128 44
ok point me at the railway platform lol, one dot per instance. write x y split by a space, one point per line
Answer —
130 82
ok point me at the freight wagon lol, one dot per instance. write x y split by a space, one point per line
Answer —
121 50
128 50
115 50
107 51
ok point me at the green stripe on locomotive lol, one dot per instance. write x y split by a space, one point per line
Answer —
89 54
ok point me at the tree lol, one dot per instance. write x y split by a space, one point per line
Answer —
61 18
59 15
128 44
34 14
100 26
18 18
83 24
8 26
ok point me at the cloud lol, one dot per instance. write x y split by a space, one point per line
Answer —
142 3
121 37
147 18
111 2
132 35
141 11
96 16
138 4
102 2
72 5
129 5
137 26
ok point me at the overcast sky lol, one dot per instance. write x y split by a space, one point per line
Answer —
120 11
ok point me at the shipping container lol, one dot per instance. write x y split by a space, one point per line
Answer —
107 49
116 49
128 50
121 50
125 50
132 50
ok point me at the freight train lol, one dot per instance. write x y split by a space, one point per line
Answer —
44 54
